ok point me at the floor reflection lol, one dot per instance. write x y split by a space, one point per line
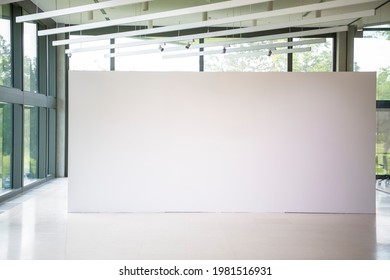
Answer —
36 225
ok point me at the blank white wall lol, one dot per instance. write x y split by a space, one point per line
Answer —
222 142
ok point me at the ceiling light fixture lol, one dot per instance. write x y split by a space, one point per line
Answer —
274 52
166 14
245 40
77 10
229 51
215 22
257 47
297 34
238 31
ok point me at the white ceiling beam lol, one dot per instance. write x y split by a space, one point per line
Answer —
77 9
228 51
215 22
238 31
166 14
183 48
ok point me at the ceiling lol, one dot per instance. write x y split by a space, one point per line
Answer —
383 14
106 18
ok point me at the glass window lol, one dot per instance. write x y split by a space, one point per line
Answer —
52 141
30 173
89 60
5 145
30 59
382 141
154 61
5 47
372 54
261 60
319 59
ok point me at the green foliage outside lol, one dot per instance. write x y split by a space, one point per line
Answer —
5 63
383 74
319 59
377 34
31 142
6 170
5 144
30 77
383 116
253 63
5 115
30 81
250 62
383 84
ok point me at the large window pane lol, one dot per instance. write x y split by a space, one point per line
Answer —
319 59
5 47
372 54
30 145
382 141
5 145
52 142
250 61
154 61
91 60
30 60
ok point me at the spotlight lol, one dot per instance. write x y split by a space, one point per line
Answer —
161 48
224 50
188 45
269 53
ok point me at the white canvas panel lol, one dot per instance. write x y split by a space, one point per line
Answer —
221 142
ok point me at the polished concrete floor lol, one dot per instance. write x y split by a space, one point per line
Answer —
36 225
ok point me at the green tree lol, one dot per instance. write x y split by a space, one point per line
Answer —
5 144
383 74
5 63
377 34
383 84
319 59
5 115
30 80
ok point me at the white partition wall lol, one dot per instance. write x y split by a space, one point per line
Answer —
221 142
